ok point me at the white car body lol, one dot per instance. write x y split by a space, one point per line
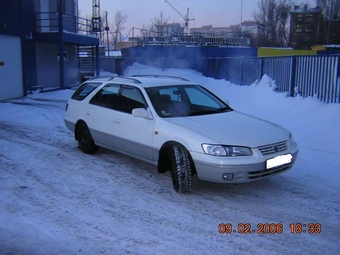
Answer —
143 133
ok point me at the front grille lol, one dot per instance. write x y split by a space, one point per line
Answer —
266 172
273 148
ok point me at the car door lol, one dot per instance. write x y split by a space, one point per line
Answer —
133 135
100 115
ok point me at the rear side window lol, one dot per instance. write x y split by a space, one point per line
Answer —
84 90
107 97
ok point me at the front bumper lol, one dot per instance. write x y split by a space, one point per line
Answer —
209 170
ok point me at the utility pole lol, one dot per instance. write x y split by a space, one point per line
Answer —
107 35
241 14
96 22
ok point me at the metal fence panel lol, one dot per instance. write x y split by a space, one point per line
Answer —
308 76
280 70
250 70
318 76
241 71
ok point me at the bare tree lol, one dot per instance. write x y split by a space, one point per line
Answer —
117 27
283 11
147 31
272 17
331 13
159 24
330 8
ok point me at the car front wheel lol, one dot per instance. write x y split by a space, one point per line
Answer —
180 169
85 141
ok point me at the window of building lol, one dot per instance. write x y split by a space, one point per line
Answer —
309 19
309 28
299 19
298 30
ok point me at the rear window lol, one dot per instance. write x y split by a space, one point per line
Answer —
84 90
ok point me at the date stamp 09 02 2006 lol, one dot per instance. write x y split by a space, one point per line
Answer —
269 228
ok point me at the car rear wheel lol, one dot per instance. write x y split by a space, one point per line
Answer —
180 169
85 140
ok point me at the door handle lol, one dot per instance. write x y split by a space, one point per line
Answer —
116 121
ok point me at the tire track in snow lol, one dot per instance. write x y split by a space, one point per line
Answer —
122 205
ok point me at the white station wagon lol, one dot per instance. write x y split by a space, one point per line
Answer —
177 126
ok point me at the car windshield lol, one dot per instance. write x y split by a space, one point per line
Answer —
185 100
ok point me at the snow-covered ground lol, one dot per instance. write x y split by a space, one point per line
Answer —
56 200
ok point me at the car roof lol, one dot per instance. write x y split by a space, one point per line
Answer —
144 80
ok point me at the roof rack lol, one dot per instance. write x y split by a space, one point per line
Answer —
109 78
160 76
106 77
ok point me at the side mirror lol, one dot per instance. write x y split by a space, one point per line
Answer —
141 113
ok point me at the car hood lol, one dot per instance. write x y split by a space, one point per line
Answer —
233 128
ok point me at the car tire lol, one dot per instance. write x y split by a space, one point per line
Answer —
180 169
85 140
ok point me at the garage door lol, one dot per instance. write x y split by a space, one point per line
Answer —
11 84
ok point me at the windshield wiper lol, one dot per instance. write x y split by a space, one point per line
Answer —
223 109
204 112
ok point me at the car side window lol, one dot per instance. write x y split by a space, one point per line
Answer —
131 98
107 97
84 90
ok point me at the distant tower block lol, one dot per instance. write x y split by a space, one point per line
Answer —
96 21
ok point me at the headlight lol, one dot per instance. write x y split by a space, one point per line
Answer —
215 150
234 151
229 151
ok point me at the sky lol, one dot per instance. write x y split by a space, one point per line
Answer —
218 13
57 200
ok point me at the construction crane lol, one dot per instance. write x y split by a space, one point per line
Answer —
96 21
186 18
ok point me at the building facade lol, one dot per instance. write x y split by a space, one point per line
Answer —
306 27
39 44
250 27
210 31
